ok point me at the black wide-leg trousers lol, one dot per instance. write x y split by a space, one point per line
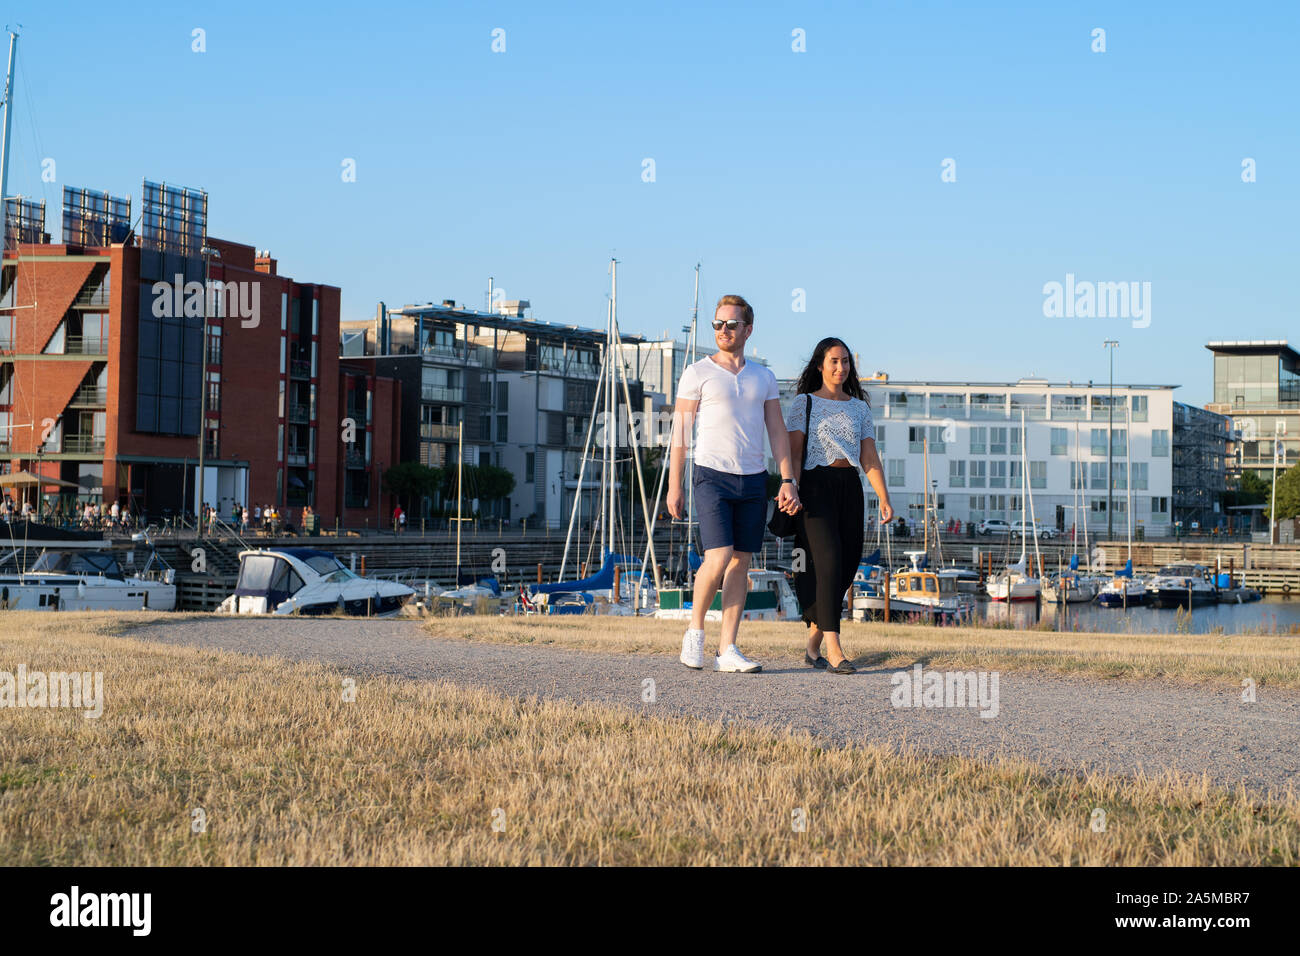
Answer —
830 535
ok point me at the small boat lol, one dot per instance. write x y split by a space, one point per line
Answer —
307 581
935 589
1013 584
769 598
1124 590
67 579
1238 595
1181 585
1071 587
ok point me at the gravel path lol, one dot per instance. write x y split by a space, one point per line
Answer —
1062 723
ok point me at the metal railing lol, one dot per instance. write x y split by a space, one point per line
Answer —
83 444
90 396
299 413
80 345
442 393
437 431
299 368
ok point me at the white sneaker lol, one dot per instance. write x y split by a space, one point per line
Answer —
693 649
731 661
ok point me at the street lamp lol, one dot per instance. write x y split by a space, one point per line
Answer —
1279 429
1111 345
209 253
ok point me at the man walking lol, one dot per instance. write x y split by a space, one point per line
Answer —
732 402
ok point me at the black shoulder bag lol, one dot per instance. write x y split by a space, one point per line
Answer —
781 524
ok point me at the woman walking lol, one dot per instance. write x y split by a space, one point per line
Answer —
831 416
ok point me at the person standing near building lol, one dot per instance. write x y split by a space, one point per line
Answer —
731 403
840 435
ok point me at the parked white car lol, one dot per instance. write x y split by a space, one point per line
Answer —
995 526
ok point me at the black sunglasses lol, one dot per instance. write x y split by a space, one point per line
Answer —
731 324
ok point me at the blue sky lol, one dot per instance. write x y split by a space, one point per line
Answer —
777 170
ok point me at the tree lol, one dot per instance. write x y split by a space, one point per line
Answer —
411 480
1288 493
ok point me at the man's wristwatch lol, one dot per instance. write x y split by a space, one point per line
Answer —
792 481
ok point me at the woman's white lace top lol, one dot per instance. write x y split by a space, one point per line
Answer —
835 430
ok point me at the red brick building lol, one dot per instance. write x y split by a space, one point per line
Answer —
101 378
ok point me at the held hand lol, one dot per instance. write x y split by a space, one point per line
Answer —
886 511
676 503
787 499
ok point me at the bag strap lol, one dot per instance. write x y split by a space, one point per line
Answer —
807 419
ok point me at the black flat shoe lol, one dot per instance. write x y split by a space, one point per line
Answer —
843 667
821 663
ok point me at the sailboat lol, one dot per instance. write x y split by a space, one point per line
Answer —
1071 586
1016 583
1126 589
607 591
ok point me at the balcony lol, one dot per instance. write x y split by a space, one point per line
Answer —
83 444
90 398
299 368
353 458
80 345
297 455
299 414
97 298
442 393
438 431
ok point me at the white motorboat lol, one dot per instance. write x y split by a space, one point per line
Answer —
306 581
69 579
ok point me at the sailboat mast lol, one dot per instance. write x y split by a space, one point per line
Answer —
460 487
4 144
611 426
689 450
1128 482
925 492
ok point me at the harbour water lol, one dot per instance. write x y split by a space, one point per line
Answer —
1272 615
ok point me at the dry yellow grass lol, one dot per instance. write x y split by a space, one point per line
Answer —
411 773
1271 660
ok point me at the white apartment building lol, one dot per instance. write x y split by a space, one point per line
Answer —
975 440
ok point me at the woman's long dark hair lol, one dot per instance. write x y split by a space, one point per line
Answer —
811 378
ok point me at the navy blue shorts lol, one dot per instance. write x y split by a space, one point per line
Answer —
731 509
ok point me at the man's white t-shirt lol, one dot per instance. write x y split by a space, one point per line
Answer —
730 426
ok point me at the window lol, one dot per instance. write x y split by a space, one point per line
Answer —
1121 476
1139 408
1069 407
1098 476
1015 477
956 474
978 440
1160 442
530 465
1160 506
880 439
897 472
976 508
988 405
1119 442
1034 407
1060 441
978 474
502 427
1140 476
1099 441
1015 440
997 473
1038 474
998 504
1077 470
916 438
937 444
997 441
